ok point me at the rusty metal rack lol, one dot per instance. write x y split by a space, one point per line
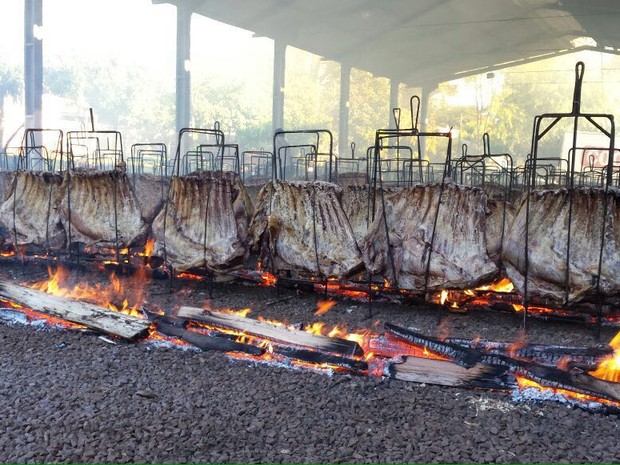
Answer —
303 154
389 138
101 150
593 171
256 166
149 158
543 124
306 155
351 170
41 150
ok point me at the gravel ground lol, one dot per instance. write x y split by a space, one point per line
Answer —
67 396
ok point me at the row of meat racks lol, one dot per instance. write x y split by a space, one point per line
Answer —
403 238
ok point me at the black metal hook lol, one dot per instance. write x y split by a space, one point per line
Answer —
580 68
486 144
396 114
352 149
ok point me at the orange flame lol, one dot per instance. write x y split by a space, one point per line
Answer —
98 294
609 368
267 279
503 285
324 306
149 247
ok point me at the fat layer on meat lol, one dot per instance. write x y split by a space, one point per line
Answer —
302 226
458 258
30 212
204 223
356 203
548 243
151 191
100 207
499 217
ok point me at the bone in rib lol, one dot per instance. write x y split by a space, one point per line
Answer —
101 208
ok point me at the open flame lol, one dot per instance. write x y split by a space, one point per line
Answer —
324 306
111 296
609 368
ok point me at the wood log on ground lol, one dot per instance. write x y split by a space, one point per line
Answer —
273 332
539 353
462 355
204 341
574 380
90 315
321 358
447 373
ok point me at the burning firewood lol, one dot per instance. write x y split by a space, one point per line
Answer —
273 332
89 315
573 379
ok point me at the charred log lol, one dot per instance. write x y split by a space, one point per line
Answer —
203 341
322 358
447 373
273 332
90 315
461 355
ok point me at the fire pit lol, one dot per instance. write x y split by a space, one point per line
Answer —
273 411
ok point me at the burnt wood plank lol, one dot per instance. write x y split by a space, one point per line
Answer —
539 353
203 341
447 373
273 332
461 355
87 314
320 358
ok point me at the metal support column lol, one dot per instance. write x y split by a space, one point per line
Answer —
279 70
394 86
426 91
33 63
343 121
183 90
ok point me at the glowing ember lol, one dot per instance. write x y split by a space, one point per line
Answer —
526 383
189 276
609 368
324 306
267 279
443 297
